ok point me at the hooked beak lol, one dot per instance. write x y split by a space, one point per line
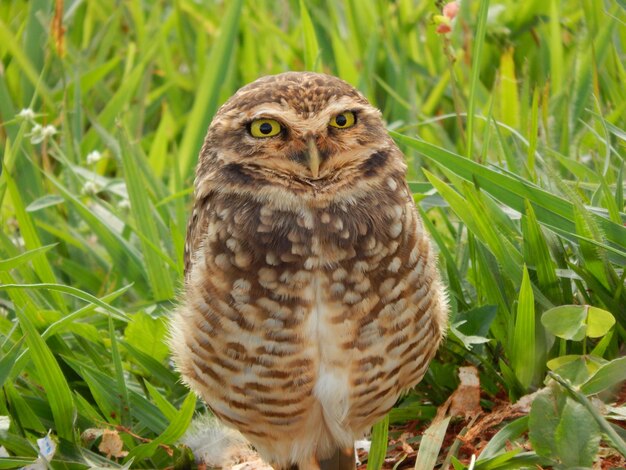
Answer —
314 157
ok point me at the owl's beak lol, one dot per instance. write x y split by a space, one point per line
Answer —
314 157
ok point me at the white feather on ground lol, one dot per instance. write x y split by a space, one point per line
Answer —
218 446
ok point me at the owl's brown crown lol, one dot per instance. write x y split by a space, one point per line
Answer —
306 93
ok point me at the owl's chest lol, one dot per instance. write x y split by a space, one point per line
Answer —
294 296
311 259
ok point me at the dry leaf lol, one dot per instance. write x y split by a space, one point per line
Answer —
91 434
112 444
465 401
406 448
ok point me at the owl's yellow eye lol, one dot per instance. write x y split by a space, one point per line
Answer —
343 120
264 128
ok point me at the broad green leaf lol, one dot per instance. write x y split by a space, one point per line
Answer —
577 370
566 321
148 335
574 322
543 420
616 441
477 320
577 436
606 376
599 322
560 361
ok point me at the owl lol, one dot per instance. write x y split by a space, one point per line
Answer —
312 298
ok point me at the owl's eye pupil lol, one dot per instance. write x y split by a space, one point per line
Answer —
341 120
265 128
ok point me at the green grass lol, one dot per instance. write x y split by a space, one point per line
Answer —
514 130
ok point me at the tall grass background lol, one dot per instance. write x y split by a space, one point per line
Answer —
513 128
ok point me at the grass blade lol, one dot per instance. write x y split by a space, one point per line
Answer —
16 261
507 434
116 313
206 101
311 47
551 210
431 443
172 433
378 450
159 277
52 379
477 54
524 350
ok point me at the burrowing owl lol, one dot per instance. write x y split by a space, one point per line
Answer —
312 298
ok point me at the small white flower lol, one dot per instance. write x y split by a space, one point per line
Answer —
40 133
93 157
49 130
36 135
27 114
90 188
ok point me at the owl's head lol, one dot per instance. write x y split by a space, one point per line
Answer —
298 130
